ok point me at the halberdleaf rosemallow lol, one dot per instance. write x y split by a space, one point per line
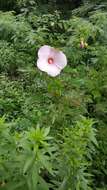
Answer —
51 60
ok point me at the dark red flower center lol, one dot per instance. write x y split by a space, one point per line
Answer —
50 60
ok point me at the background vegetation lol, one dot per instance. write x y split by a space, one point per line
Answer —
53 131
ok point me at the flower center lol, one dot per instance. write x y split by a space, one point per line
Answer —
50 60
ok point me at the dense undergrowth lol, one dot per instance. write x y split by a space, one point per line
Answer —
53 131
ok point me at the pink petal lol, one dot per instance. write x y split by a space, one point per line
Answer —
53 70
60 59
44 51
42 64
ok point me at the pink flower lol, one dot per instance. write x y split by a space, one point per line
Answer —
82 44
51 60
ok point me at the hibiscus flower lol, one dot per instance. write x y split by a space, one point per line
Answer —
51 60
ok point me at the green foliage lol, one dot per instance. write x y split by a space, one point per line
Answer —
77 145
100 161
28 155
31 156
64 107
7 4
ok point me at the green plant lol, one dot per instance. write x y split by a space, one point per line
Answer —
77 146
25 158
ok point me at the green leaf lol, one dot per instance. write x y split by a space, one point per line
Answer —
43 185
28 164
46 131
